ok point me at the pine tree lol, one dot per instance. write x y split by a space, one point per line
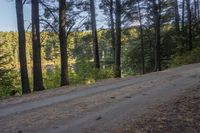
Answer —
36 44
118 40
63 43
22 47
94 35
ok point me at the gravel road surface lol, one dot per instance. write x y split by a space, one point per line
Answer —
97 108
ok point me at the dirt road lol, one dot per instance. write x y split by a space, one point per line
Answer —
96 108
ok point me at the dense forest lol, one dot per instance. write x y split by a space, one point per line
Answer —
64 45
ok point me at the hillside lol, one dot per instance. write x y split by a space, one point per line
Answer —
109 105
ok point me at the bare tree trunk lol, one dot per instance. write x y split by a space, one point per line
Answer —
177 17
112 27
183 16
118 40
189 29
37 69
157 31
198 9
195 8
63 43
22 47
141 38
94 35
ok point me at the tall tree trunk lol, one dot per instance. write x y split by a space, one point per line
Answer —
22 47
63 43
198 9
37 69
189 29
118 39
183 16
157 11
195 8
183 29
177 17
112 27
141 39
94 35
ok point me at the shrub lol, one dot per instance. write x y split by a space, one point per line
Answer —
188 57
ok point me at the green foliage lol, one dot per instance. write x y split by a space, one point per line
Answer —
80 49
52 78
131 62
9 84
187 57
84 73
9 78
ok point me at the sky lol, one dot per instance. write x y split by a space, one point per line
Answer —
8 20
8 15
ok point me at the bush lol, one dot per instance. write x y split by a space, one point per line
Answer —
84 73
188 57
52 78
9 83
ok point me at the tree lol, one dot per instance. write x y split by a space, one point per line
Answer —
107 6
94 35
63 43
183 15
157 16
112 23
7 80
118 39
22 47
176 16
195 8
198 9
141 38
37 69
61 20
189 23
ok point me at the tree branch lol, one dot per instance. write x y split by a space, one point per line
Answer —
49 25
51 12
